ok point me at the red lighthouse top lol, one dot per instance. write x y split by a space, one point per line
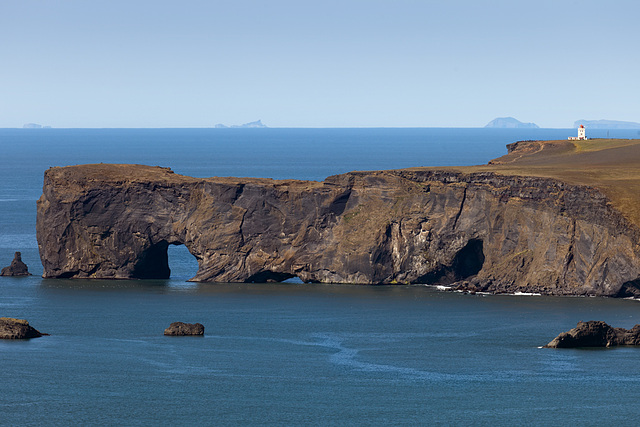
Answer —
581 126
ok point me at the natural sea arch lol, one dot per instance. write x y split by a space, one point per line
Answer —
166 260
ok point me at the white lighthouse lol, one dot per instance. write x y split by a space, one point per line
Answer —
581 134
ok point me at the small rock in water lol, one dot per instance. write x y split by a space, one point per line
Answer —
182 329
17 329
596 334
17 267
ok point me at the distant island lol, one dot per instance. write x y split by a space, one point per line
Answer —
256 124
34 126
606 124
510 123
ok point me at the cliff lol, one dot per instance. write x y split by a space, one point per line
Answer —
501 233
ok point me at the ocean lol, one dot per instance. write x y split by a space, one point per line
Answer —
288 354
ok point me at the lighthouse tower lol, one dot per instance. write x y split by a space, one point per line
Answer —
581 134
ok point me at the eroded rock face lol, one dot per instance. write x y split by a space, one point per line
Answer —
16 329
596 334
17 267
497 233
184 329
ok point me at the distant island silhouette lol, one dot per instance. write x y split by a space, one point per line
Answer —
510 123
34 126
256 124
606 124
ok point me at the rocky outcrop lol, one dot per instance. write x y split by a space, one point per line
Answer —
17 329
184 329
497 233
17 267
596 334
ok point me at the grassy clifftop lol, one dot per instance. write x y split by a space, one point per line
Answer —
611 165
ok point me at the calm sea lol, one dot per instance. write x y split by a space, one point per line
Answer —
288 354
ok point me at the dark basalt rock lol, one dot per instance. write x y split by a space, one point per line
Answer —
17 329
183 329
496 233
596 334
17 267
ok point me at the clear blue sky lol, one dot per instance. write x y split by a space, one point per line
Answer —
298 63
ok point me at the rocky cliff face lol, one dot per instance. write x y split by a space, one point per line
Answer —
497 233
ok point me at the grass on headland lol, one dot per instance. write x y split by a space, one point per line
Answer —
611 165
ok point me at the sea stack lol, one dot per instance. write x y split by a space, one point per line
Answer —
17 267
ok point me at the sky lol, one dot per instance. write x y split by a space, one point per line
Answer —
299 63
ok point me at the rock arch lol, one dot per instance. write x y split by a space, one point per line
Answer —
511 233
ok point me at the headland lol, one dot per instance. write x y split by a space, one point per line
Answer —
551 217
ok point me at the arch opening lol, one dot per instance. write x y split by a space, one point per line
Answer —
630 289
273 277
182 263
154 263
166 260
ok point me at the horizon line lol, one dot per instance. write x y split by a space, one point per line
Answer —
297 127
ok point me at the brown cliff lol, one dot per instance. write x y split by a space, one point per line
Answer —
495 232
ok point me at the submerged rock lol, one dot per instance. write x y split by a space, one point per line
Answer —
596 333
182 329
17 329
17 267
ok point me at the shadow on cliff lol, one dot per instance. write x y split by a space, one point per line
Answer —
272 276
467 263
